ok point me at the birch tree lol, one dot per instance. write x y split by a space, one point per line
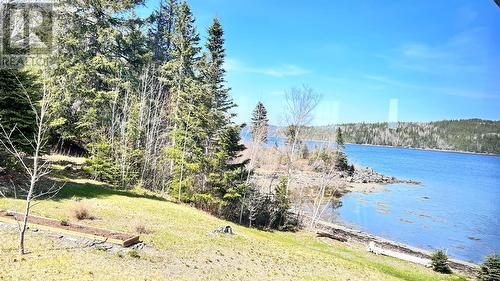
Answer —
299 106
39 168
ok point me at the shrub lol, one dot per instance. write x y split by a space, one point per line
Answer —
490 269
81 212
304 152
440 262
206 202
133 254
64 222
341 162
268 210
101 165
141 229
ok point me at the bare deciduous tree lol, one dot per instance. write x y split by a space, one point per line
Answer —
40 167
299 106
327 173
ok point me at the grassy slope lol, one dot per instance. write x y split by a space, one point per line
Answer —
183 249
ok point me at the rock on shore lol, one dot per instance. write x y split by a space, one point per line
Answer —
361 180
367 175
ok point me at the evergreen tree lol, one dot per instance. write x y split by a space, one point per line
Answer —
222 145
15 108
189 106
340 139
161 31
440 262
260 126
490 269
215 74
98 55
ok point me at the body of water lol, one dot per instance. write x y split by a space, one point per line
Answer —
457 206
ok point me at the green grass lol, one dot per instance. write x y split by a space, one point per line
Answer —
182 247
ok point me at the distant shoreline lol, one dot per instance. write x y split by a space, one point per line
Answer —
417 148
428 149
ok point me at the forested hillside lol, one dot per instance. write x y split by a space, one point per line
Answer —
142 98
473 135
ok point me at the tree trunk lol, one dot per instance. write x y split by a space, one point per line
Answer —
24 227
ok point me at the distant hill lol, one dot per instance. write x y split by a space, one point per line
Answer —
472 135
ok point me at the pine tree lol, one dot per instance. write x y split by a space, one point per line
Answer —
440 262
161 31
99 53
260 126
340 139
15 109
189 106
490 269
223 138
215 73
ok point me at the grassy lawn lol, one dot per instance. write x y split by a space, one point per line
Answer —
183 248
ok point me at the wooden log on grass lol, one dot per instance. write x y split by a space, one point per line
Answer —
332 236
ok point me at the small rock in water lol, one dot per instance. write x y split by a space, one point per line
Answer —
473 238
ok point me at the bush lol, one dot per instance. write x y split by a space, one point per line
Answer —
133 254
81 212
268 211
304 152
440 262
206 202
341 162
101 165
141 229
64 222
490 269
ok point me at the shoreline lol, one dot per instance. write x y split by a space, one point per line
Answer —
408 147
352 234
365 180
426 149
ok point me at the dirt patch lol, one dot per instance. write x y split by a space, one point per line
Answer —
128 239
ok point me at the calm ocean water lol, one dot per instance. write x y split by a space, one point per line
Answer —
457 206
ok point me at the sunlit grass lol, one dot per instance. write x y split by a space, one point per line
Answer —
184 247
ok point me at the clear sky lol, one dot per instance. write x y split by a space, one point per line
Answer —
371 60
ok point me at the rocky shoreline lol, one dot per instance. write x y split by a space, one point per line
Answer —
363 180
351 235
367 175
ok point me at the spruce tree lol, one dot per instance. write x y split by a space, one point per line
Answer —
260 126
161 31
440 262
99 51
189 106
490 269
223 137
15 108
340 139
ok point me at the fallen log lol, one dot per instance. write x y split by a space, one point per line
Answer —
331 236
372 247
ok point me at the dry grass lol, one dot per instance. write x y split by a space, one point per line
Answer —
141 229
81 211
183 249
56 158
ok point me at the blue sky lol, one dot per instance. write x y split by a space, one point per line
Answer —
370 60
